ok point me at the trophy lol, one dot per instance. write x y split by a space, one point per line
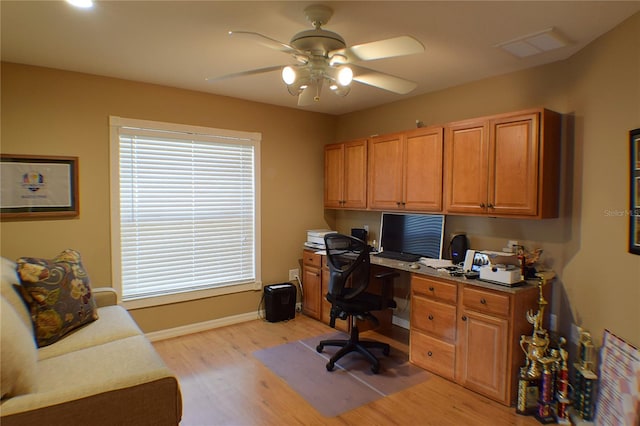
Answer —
562 384
585 379
535 346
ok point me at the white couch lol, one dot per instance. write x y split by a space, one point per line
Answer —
105 373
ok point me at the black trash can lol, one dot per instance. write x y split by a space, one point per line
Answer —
280 302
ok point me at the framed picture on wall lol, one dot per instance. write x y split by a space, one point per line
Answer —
38 186
634 205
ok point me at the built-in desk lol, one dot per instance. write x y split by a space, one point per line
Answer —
467 331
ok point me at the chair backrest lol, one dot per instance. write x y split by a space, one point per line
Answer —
348 258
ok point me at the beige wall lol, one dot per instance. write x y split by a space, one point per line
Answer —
598 90
51 112
61 113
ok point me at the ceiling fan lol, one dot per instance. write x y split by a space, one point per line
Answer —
323 57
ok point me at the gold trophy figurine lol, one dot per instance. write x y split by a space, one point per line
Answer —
535 346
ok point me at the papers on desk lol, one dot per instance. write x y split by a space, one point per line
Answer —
435 263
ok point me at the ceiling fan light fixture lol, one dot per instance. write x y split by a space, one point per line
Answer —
345 76
289 75
340 90
83 4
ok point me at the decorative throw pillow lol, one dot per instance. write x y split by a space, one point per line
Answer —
58 294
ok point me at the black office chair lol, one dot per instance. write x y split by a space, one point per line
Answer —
349 268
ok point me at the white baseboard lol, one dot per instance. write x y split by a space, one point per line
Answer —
154 336
400 322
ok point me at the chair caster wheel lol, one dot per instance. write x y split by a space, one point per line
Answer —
375 369
330 366
319 348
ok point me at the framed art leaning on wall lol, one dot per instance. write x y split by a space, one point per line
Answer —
38 186
634 204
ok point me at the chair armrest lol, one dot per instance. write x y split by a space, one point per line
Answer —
105 296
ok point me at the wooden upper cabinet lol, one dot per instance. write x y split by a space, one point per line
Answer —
467 158
504 165
405 170
423 169
513 166
345 175
385 172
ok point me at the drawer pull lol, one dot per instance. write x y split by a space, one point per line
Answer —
431 288
483 301
430 353
430 317
464 318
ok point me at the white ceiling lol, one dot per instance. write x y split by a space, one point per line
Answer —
180 43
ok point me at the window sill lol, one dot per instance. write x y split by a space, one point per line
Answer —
186 296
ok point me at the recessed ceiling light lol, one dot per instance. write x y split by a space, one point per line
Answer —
532 44
85 4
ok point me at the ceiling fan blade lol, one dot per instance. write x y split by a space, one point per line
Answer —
389 48
267 41
383 81
245 73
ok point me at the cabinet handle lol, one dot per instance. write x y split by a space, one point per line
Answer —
490 206
464 318
482 205
430 317
483 301
431 288
430 353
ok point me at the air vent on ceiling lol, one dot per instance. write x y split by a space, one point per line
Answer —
532 44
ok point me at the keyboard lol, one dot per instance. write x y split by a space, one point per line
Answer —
405 257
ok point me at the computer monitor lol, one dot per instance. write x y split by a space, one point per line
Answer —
416 234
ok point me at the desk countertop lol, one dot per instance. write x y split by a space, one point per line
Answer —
431 272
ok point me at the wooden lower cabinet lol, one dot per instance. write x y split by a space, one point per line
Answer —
470 334
311 284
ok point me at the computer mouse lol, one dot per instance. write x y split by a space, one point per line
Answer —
414 265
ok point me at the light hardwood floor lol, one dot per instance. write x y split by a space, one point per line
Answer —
223 384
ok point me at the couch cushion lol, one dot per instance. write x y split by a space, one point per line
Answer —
116 365
10 290
58 294
18 366
114 323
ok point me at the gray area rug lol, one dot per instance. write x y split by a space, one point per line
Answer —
350 385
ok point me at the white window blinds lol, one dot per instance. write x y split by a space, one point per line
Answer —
187 210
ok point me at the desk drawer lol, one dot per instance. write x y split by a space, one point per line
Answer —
439 290
436 318
432 354
485 301
312 259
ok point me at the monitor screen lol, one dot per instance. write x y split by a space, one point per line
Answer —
417 234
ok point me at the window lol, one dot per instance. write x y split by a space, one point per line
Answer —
185 204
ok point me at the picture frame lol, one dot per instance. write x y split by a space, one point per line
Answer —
38 187
634 197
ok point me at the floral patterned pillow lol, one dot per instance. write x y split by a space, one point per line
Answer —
58 294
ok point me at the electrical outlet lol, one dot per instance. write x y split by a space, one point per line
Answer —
365 227
293 273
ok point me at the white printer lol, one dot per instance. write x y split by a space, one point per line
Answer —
315 238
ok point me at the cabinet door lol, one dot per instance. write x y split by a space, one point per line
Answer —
423 170
466 152
482 354
513 166
312 288
333 175
355 175
385 172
